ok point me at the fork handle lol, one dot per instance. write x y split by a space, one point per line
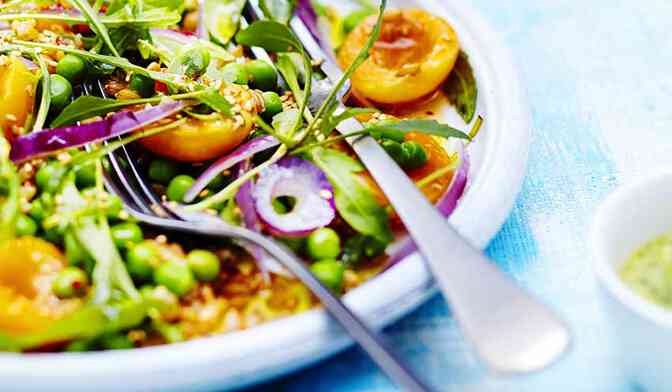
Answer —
374 345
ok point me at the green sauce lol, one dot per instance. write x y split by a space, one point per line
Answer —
649 271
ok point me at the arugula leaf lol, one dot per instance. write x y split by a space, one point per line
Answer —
330 122
86 322
270 35
461 88
278 10
215 101
431 127
94 20
290 73
285 122
354 199
221 18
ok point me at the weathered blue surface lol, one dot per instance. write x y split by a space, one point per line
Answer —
598 75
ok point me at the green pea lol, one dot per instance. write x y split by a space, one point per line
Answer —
85 176
354 19
176 276
162 171
61 91
416 155
178 187
142 259
195 61
395 151
116 341
272 104
330 273
70 282
323 243
142 85
262 75
113 206
161 299
235 73
48 177
75 252
204 264
25 226
72 68
125 234
37 210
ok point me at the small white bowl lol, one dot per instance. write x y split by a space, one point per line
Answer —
633 215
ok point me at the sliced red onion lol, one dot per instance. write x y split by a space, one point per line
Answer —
245 202
307 184
48 141
446 205
240 154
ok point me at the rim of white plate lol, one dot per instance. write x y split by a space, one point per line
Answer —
240 358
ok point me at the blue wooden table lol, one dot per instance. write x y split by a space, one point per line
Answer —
599 80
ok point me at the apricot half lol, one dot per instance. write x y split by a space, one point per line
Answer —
414 54
17 94
198 140
28 267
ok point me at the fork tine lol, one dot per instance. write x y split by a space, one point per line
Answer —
135 184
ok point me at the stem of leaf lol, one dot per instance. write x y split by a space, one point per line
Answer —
45 100
230 190
331 140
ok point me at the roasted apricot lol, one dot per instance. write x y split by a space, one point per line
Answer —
28 267
17 95
198 140
414 54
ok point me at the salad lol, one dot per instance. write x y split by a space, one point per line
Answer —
252 141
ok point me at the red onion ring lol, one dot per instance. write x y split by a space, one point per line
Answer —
307 184
245 202
48 141
446 205
240 154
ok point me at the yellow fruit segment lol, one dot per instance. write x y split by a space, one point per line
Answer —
17 94
415 53
197 140
28 266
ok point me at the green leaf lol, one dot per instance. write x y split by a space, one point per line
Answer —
330 122
461 88
270 35
431 127
94 20
87 322
354 199
216 101
289 70
278 10
285 122
85 107
221 18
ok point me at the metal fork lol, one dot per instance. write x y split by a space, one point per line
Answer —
143 204
511 331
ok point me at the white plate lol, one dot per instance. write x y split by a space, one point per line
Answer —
241 358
